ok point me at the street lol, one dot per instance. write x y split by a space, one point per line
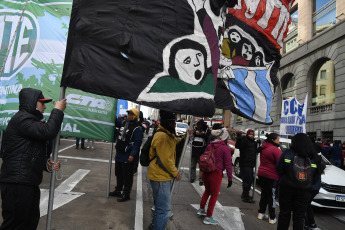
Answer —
81 203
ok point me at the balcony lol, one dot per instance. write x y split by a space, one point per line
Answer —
321 108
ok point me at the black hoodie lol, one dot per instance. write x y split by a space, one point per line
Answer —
24 143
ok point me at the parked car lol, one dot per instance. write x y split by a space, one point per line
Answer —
332 192
284 144
181 128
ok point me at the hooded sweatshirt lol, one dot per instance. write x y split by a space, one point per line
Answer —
269 157
25 139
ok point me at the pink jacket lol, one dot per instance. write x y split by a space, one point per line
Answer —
222 155
269 157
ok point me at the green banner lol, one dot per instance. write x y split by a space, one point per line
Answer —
35 59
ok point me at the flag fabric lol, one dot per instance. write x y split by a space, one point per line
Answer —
122 107
163 54
185 56
36 60
253 35
293 116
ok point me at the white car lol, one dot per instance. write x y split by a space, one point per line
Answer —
181 128
332 192
284 144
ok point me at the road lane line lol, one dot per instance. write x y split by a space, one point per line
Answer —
139 211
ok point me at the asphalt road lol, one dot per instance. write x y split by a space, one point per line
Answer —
81 201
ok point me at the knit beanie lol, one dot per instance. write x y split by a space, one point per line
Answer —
250 132
222 134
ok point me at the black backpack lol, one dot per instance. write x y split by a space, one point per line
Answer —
145 150
300 172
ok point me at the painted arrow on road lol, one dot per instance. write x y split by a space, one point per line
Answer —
63 194
228 217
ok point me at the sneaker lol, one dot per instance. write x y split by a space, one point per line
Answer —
201 183
262 216
192 180
201 212
210 220
314 227
88 147
123 198
115 193
153 208
272 221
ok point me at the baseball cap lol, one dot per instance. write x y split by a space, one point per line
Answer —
42 99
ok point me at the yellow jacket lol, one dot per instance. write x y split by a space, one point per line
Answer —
165 145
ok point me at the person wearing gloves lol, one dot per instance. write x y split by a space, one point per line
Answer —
127 146
162 169
268 176
213 180
24 157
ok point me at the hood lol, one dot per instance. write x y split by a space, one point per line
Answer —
333 176
28 99
216 144
265 145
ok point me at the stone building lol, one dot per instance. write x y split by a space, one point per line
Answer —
313 62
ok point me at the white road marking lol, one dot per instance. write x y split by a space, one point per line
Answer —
63 194
228 217
139 211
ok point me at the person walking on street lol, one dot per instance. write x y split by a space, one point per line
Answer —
24 157
248 151
127 146
296 169
82 140
335 153
92 141
200 134
268 176
162 169
213 179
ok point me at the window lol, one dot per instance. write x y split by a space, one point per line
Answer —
323 74
323 84
288 87
323 90
324 15
291 39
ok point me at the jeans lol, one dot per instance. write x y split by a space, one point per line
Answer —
82 142
292 200
194 161
268 188
161 195
336 163
212 182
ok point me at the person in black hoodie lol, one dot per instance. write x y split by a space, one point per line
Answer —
24 158
200 134
248 151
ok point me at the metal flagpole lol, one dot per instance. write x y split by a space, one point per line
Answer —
183 152
53 173
109 169
256 166
12 40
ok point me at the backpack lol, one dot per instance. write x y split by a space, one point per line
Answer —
145 150
300 172
207 162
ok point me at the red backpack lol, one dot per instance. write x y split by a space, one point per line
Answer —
207 162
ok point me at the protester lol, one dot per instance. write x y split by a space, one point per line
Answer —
77 139
200 134
335 153
213 179
309 221
214 127
248 151
268 176
24 158
92 141
294 195
127 146
162 169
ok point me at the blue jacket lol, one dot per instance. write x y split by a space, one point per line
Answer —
335 152
133 146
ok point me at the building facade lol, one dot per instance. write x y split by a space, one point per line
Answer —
313 63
